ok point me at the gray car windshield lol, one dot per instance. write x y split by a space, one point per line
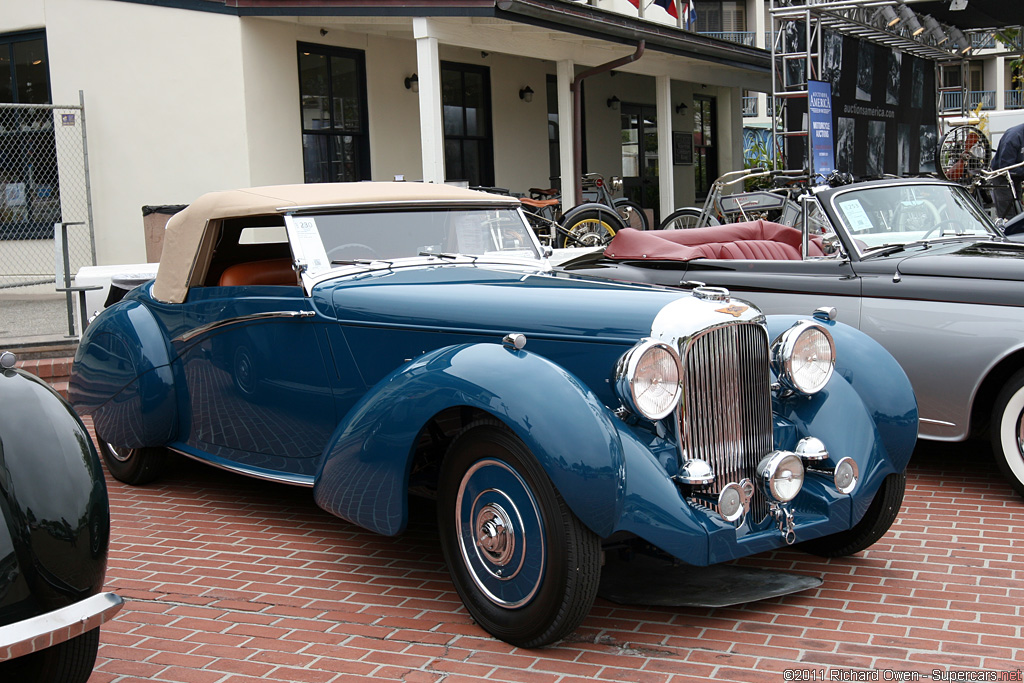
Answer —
485 232
889 215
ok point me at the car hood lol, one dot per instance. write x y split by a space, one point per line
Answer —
497 301
990 260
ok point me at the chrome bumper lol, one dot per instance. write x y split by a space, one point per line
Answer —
30 635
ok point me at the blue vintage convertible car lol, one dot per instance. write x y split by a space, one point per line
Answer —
375 340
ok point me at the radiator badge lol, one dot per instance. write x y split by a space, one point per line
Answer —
735 310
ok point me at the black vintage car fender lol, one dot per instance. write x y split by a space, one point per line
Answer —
54 536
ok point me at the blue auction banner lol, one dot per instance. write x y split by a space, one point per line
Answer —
819 106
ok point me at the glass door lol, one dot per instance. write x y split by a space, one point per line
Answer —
640 156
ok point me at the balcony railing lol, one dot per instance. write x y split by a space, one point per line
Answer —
983 40
741 37
953 101
750 106
1014 99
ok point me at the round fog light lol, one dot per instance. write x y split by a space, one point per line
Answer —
811 448
846 475
730 502
782 475
695 472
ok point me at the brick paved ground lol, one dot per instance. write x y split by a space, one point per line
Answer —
231 580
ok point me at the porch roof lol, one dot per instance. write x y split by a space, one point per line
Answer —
555 15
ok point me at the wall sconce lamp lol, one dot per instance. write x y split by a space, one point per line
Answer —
910 21
412 83
613 103
526 94
681 107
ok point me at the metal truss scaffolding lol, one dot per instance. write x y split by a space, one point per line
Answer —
797 29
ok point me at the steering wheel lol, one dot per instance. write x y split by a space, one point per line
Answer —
958 228
333 254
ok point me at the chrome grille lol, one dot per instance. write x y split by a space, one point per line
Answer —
726 410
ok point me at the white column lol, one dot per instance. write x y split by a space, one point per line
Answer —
999 83
428 69
757 22
666 169
565 72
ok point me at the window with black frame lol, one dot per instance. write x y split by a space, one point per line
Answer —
335 128
468 143
29 192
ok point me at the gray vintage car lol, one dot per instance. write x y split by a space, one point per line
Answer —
915 263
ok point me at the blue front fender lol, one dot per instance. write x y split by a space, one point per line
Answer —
364 475
868 411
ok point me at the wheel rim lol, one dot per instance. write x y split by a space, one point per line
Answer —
682 223
1011 435
500 533
120 454
591 233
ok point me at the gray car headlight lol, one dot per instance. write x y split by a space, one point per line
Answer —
804 357
782 475
647 379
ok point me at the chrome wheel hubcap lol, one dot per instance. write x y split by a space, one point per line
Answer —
495 535
500 533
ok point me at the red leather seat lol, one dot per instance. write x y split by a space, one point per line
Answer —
752 240
759 249
276 271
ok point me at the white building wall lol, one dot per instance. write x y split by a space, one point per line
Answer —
164 107
21 15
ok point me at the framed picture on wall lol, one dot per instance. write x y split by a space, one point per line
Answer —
682 148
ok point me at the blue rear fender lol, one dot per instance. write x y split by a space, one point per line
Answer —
122 377
583 447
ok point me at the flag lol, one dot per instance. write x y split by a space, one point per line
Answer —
668 5
689 12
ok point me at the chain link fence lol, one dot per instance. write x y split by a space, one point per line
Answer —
44 181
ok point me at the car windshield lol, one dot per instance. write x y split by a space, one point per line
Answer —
494 233
894 215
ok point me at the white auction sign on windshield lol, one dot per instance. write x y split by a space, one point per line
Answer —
307 245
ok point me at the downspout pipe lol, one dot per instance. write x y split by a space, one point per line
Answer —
577 113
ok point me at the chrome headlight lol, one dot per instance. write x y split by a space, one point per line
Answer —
647 379
804 357
846 475
782 475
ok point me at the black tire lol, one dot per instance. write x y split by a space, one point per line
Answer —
876 521
134 466
69 662
632 214
1007 429
686 217
590 227
491 483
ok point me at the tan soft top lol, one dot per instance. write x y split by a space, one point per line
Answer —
184 237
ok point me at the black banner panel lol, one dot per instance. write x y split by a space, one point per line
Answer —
883 106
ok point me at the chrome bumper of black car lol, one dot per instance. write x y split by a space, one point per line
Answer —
31 635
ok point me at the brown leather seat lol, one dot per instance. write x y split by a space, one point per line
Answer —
276 271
